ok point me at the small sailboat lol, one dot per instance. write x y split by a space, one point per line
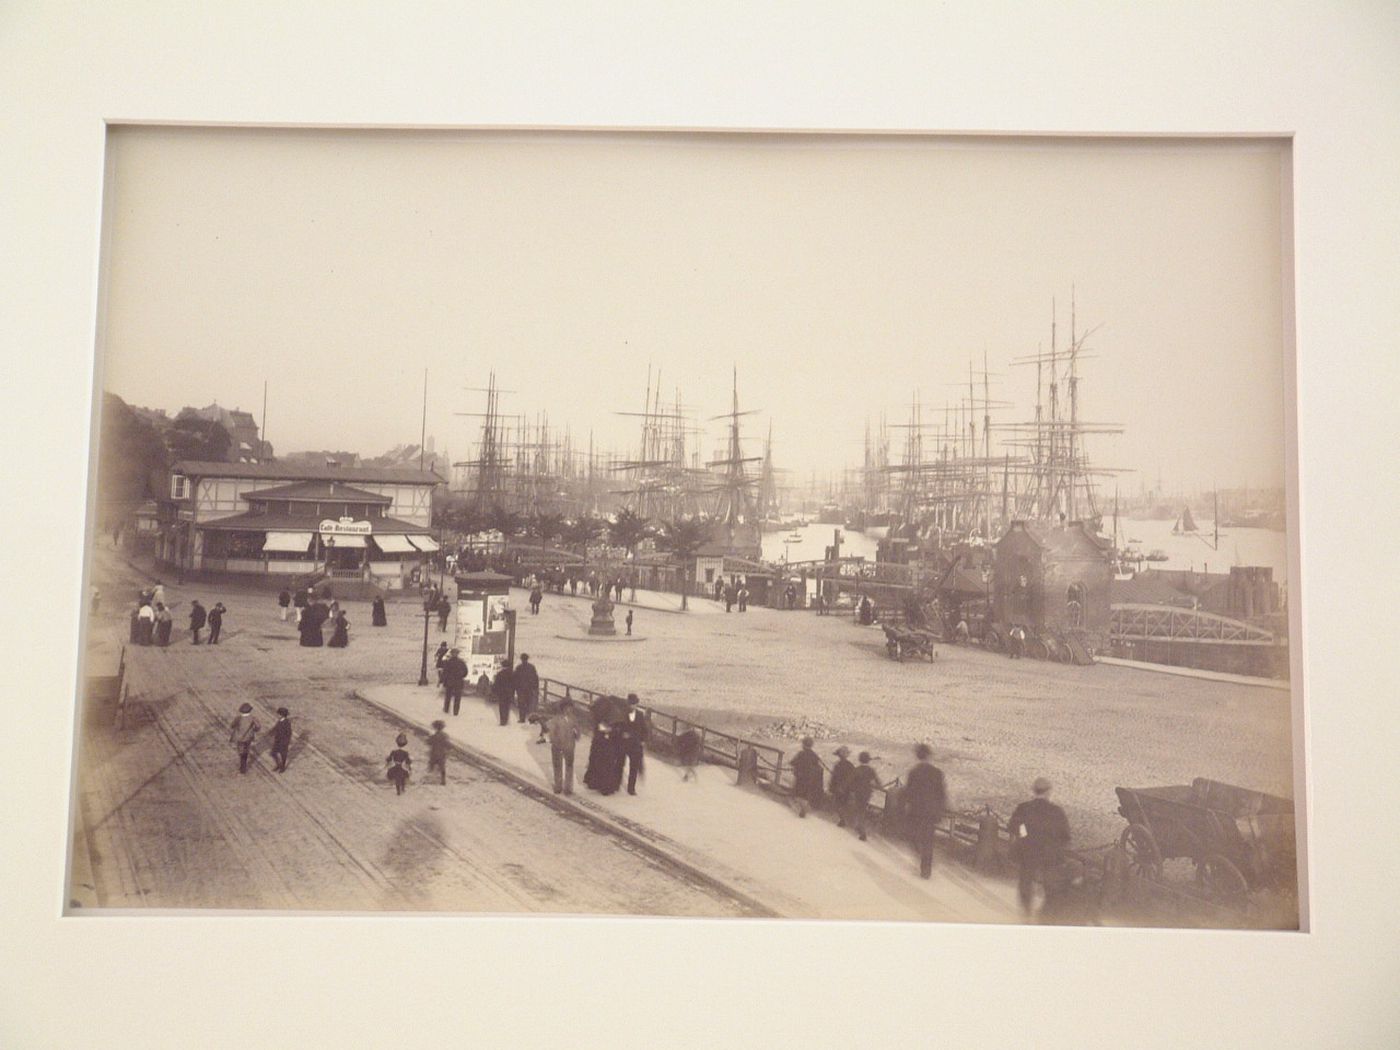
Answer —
1185 523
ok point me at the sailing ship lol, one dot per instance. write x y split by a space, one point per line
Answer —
1184 523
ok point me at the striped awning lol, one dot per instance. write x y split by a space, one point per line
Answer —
394 544
426 544
288 542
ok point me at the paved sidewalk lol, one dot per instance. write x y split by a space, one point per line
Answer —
798 868
1197 673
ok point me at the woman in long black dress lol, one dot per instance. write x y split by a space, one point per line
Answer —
377 615
605 754
340 637
311 619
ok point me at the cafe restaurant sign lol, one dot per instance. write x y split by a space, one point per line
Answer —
345 527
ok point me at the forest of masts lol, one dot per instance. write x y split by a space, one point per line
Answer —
955 471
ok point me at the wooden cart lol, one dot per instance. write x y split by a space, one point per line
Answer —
1239 840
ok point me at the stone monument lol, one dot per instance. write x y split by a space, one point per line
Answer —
602 624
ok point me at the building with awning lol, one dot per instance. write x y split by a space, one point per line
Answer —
269 519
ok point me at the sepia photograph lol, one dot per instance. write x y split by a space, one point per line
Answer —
695 524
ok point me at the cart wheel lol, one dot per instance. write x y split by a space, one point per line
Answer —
1036 649
1063 654
1222 882
993 642
1144 858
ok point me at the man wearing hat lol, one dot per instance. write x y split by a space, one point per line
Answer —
437 746
864 781
527 687
923 800
1039 833
281 740
840 784
242 733
454 677
634 739
806 778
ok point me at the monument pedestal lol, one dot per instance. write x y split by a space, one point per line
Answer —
602 619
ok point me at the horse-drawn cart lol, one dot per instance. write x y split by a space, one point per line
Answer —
906 641
1239 840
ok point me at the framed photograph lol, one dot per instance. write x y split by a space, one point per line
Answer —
636 538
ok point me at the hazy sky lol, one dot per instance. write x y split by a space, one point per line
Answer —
841 275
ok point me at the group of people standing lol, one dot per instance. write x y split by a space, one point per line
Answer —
732 594
921 801
312 616
153 620
620 733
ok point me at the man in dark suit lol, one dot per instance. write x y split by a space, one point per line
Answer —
923 799
281 740
634 738
527 687
503 692
1039 833
454 676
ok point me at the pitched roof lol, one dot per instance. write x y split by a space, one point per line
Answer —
299 472
319 490
250 522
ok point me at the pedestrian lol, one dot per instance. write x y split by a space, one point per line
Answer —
158 593
340 637
617 585
744 599
635 730
216 622
399 763
437 750
719 588
333 612
864 781
1039 832
503 690
688 748
440 658
923 802
299 603
573 586
604 772
729 594
134 636
281 740
961 634
444 610
526 681
454 676
284 602
629 623
309 624
1017 642
378 616
807 778
242 733
563 732
165 623
197 619
536 596
840 784
146 620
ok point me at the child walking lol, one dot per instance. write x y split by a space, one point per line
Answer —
399 763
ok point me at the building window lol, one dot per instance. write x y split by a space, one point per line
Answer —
179 486
1074 605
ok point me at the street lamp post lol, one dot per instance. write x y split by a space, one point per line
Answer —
423 670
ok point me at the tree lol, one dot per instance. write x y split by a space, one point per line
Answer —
583 531
627 529
683 538
131 461
506 522
546 527
190 437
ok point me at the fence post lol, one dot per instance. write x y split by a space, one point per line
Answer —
987 858
748 766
